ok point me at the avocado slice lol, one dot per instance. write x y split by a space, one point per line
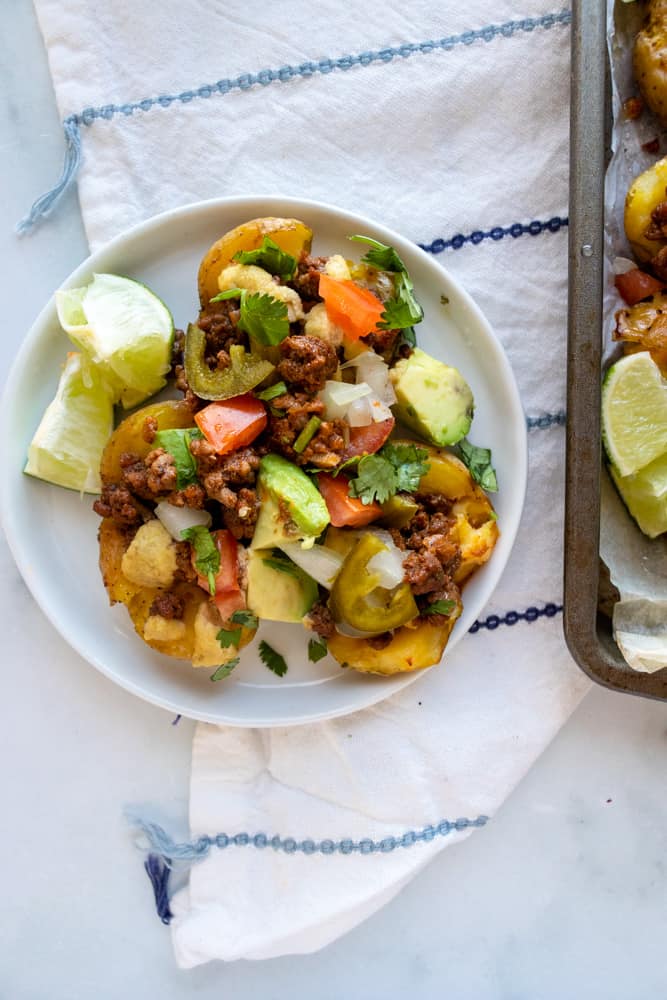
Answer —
432 398
275 594
296 499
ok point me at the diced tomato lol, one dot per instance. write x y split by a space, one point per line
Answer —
233 423
636 285
228 602
345 511
227 577
354 309
367 440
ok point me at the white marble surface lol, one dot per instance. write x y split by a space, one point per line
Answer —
562 895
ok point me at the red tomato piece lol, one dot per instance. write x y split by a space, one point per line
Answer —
345 511
354 309
635 285
228 602
232 423
367 440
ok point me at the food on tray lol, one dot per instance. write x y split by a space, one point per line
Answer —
279 488
650 59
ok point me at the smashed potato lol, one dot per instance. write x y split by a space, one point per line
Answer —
649 59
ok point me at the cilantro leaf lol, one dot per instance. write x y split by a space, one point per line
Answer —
284 565
270 257
272 659
403 310
395 468
207 556
245 618
440 608
264 318
409 464
229 637
177 442
478 461
279 389
225 669
376 480
380 255
317 649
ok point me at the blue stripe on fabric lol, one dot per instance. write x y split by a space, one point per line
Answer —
265 77
546 420
530 615
534 228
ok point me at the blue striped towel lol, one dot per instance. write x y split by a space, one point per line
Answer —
449 123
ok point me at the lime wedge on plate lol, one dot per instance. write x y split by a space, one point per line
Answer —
645 495
68 443
124 329
634 413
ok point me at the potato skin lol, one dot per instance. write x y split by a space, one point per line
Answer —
128 436
649 59
645 193
420 644
291 236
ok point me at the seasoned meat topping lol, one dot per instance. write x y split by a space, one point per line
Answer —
288 417
151 477
433 551
118 503
306 281
184 569
320 620
219 322
307 362
190 496
239 511
239 468
167 605
149 430
423 571
657 229
449 592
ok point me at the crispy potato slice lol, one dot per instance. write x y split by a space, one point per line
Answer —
649 58
291 236
644 195
128 436
413 647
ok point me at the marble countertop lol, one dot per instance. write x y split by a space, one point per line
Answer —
563 894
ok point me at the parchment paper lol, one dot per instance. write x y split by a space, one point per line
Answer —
637 564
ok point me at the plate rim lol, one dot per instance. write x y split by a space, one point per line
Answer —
285 206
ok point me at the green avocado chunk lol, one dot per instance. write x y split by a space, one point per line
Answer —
432 398
296 497
277 595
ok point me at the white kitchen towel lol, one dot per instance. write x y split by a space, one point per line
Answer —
449 123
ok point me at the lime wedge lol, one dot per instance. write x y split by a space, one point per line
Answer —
645 495
67 446
124 329
634 413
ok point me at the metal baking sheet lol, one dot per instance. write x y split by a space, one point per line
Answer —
587 628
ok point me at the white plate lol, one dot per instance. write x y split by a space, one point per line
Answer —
53 532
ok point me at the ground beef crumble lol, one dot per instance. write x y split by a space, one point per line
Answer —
320 620
118 503
288 416
167 605
306 281
433 554
150 478
306 363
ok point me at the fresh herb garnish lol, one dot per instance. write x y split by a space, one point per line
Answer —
177 442
394 469
403 310
225 669
229 637
261 316
478 461
309 432
440 608
317 649
283 564
207 556
272 659
279 389
270 257
246 618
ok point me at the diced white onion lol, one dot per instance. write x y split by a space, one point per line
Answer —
320 563
177 519
388 564
359 413
622 265
373 370
337 397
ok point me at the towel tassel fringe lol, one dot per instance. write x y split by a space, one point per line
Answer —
72 162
